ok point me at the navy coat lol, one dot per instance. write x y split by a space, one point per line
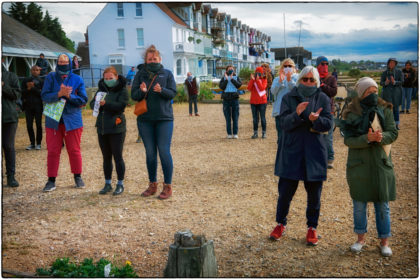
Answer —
302 151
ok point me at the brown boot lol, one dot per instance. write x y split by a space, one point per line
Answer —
151 190
166 192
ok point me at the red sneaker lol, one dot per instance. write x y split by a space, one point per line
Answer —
277 232
311 237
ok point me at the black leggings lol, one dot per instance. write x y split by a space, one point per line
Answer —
8 133
257 111
31 113
112 146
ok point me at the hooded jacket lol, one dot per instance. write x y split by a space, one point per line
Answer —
115 102
159 106
392 92
72 113
10 94
262 85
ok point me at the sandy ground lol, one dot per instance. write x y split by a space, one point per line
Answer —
224 189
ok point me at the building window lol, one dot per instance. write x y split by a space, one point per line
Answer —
139 10
140 37
179 67
210 67
121 41
115 59
120 10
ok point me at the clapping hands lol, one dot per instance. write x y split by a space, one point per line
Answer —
65 91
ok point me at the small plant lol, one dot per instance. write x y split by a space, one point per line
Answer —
198 41
245 74
181 96
190 39
354 73
63 268
205 91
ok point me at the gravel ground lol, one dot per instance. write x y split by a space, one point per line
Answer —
224 189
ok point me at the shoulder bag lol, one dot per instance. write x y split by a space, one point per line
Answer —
141 106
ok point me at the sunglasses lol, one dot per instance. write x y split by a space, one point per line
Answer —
287 66
324 63
304 79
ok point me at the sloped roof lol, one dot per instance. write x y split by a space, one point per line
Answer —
20 40
171 14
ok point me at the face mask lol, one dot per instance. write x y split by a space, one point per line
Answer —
287 70
322 70
63 69
190 78
110 83
153 67
230 72
306 91
370 100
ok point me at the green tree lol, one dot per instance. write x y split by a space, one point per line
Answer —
18 11
34 18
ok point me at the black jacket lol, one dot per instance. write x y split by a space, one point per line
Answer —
10 95
43 63
230 95
115 102
159 106
32 98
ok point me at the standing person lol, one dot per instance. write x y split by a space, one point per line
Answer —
230 83
370 173
111 126
407 87
43 64
335 74
329 87
9 116
282 84
391 82
63 84
267 74
302 155
130 76
32 104
75 65
156 125
257 86
192 87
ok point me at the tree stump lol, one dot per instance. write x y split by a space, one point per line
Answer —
191 256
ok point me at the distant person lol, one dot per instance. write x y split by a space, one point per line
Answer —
407 87
302 155
370 172
9 116
157 124
230 84
282 84
391 82
329 87
43 64
192 88
33 106
64 85
75 65
111 126
335 74
267 74
257 85
130 76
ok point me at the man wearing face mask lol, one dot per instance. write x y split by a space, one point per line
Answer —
192 87
328 86
64 85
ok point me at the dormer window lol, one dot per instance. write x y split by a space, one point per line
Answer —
120 10
139 10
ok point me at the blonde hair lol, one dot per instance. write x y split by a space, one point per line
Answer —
290 62
152 49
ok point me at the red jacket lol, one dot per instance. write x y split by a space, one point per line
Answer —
255 97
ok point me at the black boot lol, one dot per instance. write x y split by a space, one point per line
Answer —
255 135
118 190
11 181
106 188
79 184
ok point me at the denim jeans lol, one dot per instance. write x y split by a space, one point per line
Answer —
287 189
193 99
157 135
406 98
383 220
258 110
329 138
231 112
396 112
8 133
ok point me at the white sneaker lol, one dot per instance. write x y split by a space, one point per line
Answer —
229 136
386 251
356 247
235 136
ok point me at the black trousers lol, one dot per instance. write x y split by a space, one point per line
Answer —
8 133
193 99
112 146
31 113
258 110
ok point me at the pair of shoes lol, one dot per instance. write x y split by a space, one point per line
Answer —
235 136
407 112
277 232
166 192
49 187
138 139
79 183
386 251
105 189
402 112
255 135
311 237
229 136
30 147
118 190
11 181
197 114
38 147
152 189
264 135
357 247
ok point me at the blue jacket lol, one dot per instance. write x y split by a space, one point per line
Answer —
302 151
130 74
278 90
72 113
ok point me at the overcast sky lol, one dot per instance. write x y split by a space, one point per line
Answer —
349 31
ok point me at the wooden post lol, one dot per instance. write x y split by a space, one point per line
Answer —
191 256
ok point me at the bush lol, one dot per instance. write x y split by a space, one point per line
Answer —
355 73
244 74
62 268
181 96
205 91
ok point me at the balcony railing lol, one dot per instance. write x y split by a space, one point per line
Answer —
223 53
184 47
208 51
244 57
